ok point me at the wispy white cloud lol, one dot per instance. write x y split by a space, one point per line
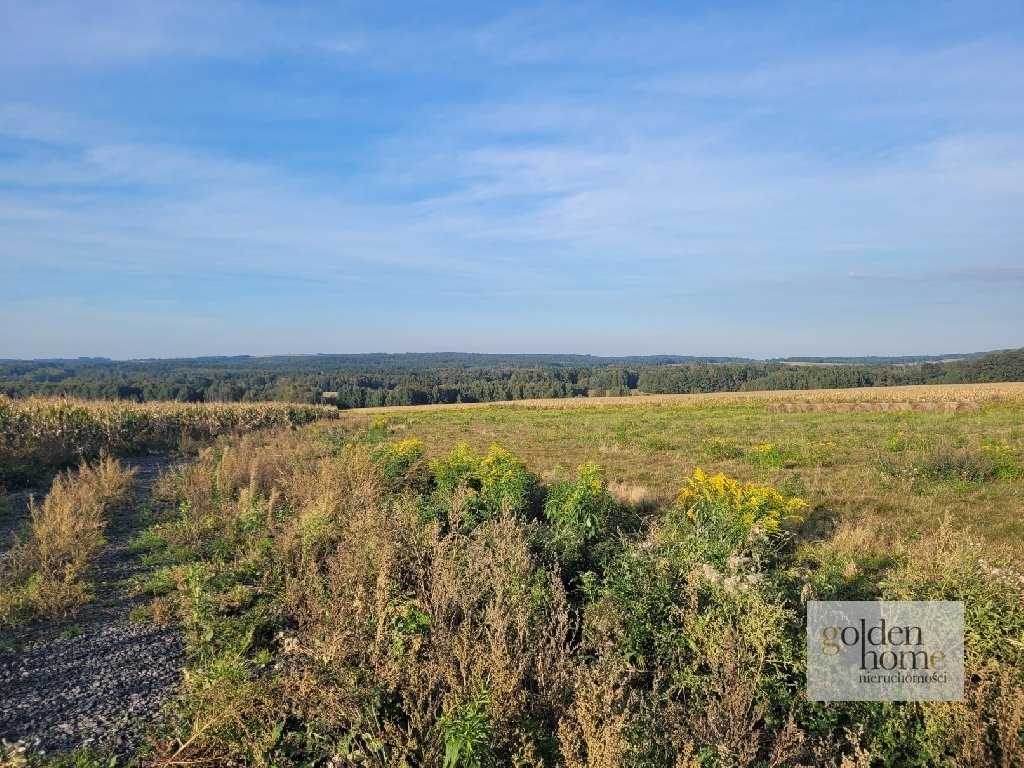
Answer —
1003 274
541 151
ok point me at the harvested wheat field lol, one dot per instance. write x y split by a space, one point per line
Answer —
917 393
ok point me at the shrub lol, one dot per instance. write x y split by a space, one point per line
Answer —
581 512
717 517
948 462
654 443
846 567
582 505
466 731
719 449
377 430
459 468
403 465
897 442
471 488
1003 460
708 635
506 484
945 565
768 455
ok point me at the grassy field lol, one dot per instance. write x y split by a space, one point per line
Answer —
897 472
585 584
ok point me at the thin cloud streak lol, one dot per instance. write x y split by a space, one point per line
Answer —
538 161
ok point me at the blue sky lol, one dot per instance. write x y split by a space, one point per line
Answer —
757 179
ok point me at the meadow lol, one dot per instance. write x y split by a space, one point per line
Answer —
586 583
896 470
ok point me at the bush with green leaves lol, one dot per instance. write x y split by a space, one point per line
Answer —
403 465
719 449
769 455
715 519
475 488
581 514
707 645
466 730
952 463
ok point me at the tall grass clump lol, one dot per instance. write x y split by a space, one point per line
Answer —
948 462
45 572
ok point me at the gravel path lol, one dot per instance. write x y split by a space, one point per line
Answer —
101 688
106 684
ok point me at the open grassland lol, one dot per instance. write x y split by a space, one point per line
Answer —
353 594
576 587
898 472
39 435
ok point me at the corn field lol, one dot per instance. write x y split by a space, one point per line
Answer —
41 434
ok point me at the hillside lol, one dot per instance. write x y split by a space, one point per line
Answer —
375 380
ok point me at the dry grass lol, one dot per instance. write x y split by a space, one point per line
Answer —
1012 392
883 468
638 498
334 620
484 633
381 605
44 573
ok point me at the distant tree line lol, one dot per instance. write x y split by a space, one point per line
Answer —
373 380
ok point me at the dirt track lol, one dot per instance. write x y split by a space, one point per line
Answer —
99 680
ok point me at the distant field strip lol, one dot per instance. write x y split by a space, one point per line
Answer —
925 406
916 396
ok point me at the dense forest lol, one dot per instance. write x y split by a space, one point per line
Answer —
415 379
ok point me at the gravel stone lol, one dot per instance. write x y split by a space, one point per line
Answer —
47 701
105 685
